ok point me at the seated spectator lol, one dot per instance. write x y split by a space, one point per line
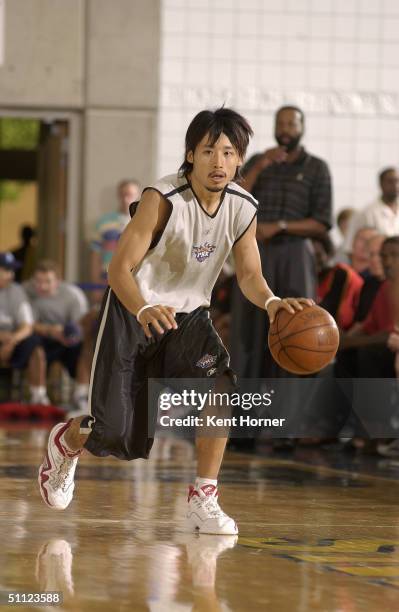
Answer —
58 308
383 214
19 348
338 287
109 227
374 278
373 338
359 256
346 361
343 220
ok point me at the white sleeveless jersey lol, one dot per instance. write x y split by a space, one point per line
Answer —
182 269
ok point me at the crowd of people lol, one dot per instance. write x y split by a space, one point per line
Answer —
355 277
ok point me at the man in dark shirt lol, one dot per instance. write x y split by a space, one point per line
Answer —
293 189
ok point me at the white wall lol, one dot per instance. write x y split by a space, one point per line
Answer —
337 59
97 61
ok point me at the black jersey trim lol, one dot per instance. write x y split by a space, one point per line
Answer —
133 209
197 200
243 195
177 190
246 229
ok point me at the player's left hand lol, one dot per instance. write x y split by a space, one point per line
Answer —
289 304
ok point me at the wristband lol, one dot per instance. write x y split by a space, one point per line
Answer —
142 310
273 298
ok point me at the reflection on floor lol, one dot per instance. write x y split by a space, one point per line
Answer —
315 533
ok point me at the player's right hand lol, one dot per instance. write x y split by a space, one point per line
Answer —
159 317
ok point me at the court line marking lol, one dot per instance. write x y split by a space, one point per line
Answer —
322 468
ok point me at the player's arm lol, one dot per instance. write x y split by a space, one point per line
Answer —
250 278
150 218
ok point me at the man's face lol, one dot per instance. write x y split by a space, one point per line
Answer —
375 263
214 166
46 283
390 260
390 186
6 277
127 194
288 129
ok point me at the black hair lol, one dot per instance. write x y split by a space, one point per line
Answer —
292 108
384 172
391 240
223 120
27 233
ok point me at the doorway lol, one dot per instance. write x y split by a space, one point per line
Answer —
40 185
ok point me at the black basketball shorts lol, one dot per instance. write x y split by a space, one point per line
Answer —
124 359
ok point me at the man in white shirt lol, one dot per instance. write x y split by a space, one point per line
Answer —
58 308
19 347
383 214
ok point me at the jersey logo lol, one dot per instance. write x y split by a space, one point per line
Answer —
204 251
206 361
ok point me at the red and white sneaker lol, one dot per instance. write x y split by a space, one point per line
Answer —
57 471
204 514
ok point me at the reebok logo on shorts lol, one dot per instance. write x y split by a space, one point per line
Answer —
203 252
206 361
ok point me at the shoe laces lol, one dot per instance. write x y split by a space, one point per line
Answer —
210 503
61 479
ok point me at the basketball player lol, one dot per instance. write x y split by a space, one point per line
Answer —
155 322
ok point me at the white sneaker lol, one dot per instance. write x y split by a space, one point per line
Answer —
205 515
57 470
42 400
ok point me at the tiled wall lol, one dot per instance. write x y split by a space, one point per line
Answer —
337 59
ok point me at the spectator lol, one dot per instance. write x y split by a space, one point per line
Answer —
108 229
58 308
293 188
339 285
383 214
346 361
375 338
359 252
373 279
19 348
26 254
343 220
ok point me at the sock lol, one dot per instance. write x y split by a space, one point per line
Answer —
38 393
86 425
81 390
201 482
65 444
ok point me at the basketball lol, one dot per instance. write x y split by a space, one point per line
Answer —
304 342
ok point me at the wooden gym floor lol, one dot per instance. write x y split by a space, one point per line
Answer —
316 533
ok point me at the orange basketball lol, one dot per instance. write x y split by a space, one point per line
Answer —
303 342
